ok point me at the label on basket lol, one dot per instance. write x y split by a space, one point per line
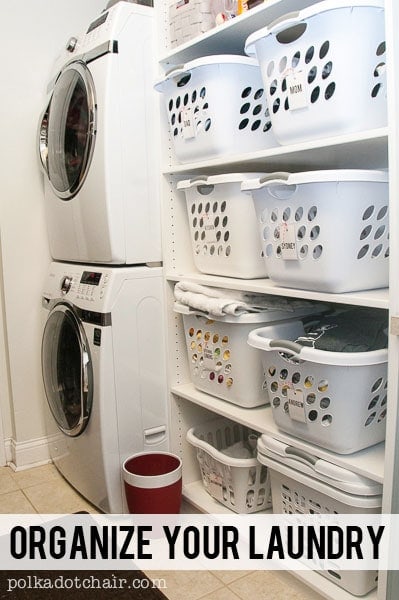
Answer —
296 405
215 486
296 88
208 358
187 118
209 228
288 241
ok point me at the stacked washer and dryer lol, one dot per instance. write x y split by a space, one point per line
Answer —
103 354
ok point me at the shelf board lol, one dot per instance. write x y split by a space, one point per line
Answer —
373 298
368 462
230 37
365 149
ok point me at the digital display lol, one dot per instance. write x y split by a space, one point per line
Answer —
90 277
97 22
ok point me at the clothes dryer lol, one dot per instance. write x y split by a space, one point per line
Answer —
104 373
98 143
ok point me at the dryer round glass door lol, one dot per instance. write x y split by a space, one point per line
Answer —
71 130
67 370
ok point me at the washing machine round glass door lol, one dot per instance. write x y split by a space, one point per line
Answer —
67 370
68 129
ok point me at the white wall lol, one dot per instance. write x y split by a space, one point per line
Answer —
32 33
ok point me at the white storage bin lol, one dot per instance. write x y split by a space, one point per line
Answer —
216 106
324 230
324 69
303 483
223 226
336 400
241 484
188 19
220 360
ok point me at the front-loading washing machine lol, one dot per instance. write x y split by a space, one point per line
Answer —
98 143
104 373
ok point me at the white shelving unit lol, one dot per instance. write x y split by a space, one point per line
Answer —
368 149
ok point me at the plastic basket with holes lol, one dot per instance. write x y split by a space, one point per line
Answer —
241 484
216 106
319 82
223 226
220 360
324 230
304 483
336 400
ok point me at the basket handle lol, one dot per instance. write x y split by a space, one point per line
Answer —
286 346
272 177
177 73
288 28
203 187
276 185
320 465
301 455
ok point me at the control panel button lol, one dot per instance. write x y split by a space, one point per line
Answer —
66 283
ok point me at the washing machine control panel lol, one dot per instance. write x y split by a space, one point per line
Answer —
91 285
111 24
84 286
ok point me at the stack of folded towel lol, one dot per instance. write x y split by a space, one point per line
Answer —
220 302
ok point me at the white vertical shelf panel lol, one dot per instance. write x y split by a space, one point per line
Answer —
388 588
363 150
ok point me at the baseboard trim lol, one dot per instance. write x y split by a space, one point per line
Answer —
25 455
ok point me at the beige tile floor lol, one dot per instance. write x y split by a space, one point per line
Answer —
43 490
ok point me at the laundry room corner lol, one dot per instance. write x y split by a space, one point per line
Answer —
32 34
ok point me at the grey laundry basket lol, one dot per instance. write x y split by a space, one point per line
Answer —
303 483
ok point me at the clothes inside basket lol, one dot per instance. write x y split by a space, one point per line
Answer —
243 448
359 329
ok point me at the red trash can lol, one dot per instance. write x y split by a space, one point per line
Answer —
153 483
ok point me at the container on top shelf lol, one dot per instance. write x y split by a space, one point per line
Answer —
220 360
303 483
223 226
335 399
188 19
324 69
324 230
216 106
230 471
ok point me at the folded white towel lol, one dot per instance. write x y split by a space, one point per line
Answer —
210 300
219 302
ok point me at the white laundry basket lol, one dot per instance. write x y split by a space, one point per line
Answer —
336 400
223 226
216 106
324 69
324 230
220 360
241 484
303 483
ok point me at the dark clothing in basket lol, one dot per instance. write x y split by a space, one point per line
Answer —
355 330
